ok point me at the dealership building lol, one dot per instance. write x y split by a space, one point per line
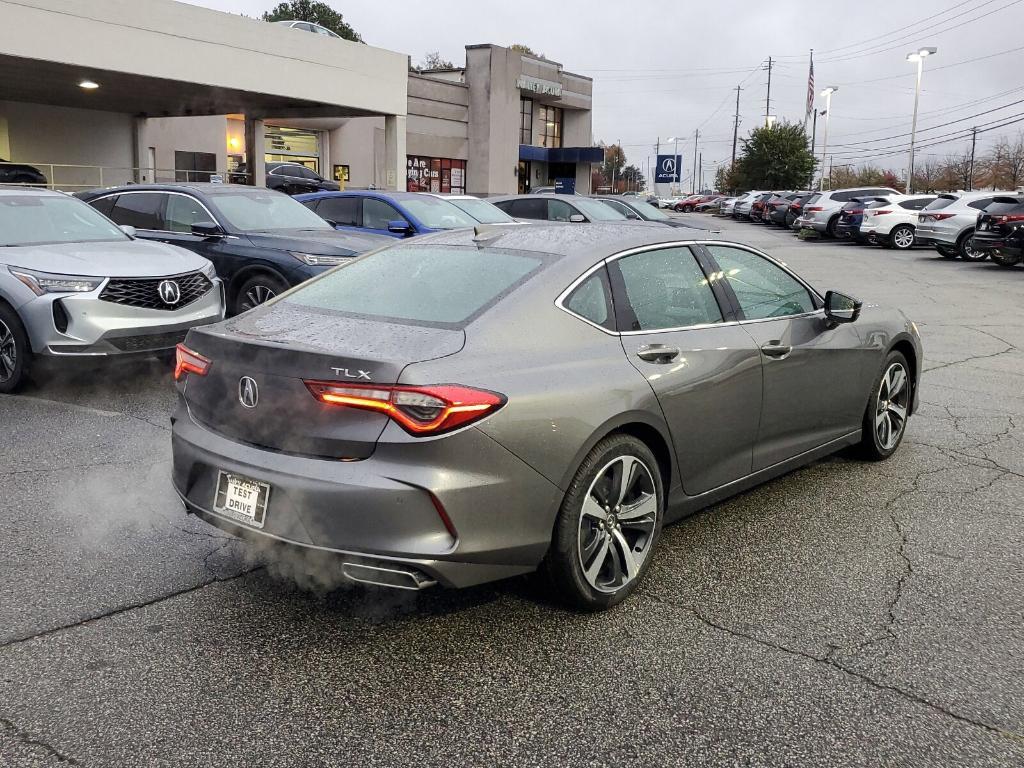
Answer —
157 90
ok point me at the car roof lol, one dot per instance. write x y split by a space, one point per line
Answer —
534 197
589 243
201 187
381 193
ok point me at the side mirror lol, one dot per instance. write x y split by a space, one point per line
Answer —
128 229
207 229
840 308
399 227
577 218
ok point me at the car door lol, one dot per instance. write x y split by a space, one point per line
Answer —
813 382
705 371
345 212
559 210
142 210
181 211
378 213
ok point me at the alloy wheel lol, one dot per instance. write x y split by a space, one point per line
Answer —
617 523
8 352
892 405
256 295
903 238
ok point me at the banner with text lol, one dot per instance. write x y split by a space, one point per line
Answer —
668 169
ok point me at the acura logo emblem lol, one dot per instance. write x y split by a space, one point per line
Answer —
170 292
248 392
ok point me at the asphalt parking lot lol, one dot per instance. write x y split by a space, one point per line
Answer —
847 614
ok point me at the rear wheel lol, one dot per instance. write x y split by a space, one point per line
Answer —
966 250
946 252
608 525
830 228
257 290
15 354
885 419
1004 259
902 237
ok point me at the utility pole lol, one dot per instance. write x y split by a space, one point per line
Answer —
654 177
768 100
974 139
693 184
700 177
735 128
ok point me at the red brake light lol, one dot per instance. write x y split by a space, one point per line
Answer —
427 410
813 209
941 216
189 361
880 213
1008 218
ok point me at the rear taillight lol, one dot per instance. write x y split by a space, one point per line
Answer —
940 216
1008 218
794 207
427 410
880 213
189 361
813 209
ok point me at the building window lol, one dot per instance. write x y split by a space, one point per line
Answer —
435 174
550 126
194 166
525 121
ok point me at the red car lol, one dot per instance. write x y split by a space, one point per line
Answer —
687 204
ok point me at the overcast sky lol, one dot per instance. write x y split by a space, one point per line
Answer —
662 69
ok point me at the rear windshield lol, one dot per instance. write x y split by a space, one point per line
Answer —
939 203
482 211
440 285
1003 205
647 210
811 199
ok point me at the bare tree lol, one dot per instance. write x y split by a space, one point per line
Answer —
956 171
1007 163
926 175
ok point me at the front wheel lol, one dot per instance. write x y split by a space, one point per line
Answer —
608 525
885 419
257 290
902 237
1004 259
15 354
966 250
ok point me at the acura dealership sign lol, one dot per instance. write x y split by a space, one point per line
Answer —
668 168
538 85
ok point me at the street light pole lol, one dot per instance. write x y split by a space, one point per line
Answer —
918 57
827 93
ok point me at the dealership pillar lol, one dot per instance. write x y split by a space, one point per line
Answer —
255 151
394 152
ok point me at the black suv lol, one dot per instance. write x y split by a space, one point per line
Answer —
260 241
290 178
15 173
1000 231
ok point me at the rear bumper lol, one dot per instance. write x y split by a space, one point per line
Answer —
930 234
382 509
990 241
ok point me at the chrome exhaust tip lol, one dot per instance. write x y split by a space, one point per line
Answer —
394 576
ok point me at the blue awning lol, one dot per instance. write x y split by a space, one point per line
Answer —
561 154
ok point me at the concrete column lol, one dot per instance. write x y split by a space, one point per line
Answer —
139 151
255 151
394 152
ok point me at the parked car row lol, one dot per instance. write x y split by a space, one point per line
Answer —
967 225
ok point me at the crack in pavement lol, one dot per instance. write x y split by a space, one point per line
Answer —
26 738
828 660
969 359
19 639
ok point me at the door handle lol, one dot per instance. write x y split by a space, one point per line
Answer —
776 350
657 353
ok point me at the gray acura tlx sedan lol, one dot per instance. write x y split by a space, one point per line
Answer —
465 406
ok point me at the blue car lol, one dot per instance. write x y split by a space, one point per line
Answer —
398 214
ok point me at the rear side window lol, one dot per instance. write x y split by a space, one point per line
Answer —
141 210
939 203
1003 205
104 205
981 204
916 204
664 288
440 286
592 300
340 210
811 199
842 197
377 214
527 208
559 210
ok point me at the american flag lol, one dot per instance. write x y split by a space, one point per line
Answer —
810 92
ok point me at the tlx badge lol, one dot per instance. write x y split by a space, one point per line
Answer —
346 373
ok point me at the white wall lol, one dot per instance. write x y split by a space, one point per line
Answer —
185 134
40 134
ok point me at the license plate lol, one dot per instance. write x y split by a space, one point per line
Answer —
241 499
983 225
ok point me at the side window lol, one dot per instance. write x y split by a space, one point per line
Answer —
762 288
559 210
842 197
182 212
665 288
377 214
104 205
529 208
308 173
138 209
916 204
592 300
982 204
340 210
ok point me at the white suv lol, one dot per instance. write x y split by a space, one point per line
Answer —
893 222
821 213
948 223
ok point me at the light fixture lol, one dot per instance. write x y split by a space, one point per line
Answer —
233 142
89 85
830 90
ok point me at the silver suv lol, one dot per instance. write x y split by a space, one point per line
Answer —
821 212
948 223
73 284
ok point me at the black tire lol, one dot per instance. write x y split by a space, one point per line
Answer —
257 290
898 238
830 228
687 209
576 532
790 218
965 251
15 353
874 445
946 252
1004 259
